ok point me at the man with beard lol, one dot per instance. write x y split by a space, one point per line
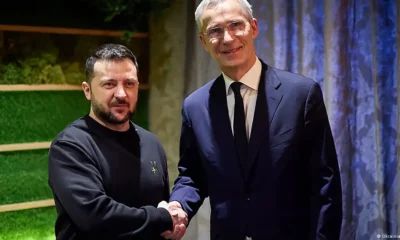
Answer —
109 176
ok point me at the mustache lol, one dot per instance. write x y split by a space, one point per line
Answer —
118 102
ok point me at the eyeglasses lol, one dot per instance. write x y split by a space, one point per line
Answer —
237 28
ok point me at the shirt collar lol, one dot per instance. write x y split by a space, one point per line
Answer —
251 79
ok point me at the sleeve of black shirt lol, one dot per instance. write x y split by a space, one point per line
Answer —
77 183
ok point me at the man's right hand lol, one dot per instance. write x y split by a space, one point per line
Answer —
179 219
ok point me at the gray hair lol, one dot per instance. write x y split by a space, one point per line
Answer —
207 4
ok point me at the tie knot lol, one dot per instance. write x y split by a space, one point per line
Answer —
236 87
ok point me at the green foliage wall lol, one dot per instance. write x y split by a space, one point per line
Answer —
36 58
33 224
23 177
39 116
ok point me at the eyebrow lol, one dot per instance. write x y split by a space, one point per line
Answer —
114 80
132 79
217 25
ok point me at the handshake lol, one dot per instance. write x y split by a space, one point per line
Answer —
179 220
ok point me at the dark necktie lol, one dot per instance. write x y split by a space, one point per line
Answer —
239 126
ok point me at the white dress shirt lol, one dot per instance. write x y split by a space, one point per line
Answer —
248 90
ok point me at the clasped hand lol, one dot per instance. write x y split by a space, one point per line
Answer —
179 220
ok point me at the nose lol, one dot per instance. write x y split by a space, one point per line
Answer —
227 36
120 91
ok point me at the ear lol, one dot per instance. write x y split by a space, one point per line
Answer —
203 42
254 28
86 90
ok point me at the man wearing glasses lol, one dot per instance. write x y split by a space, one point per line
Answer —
256 140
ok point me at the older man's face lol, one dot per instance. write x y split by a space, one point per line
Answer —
233 47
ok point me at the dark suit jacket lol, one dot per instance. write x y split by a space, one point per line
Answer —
290 187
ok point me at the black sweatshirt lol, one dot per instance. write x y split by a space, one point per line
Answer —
107 184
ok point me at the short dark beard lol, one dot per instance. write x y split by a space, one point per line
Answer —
108 116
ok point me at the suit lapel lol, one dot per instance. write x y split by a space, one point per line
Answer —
268 99
274 95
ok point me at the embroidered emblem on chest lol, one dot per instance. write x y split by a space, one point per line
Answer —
154 168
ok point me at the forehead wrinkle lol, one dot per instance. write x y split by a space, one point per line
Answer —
223 15
114 70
